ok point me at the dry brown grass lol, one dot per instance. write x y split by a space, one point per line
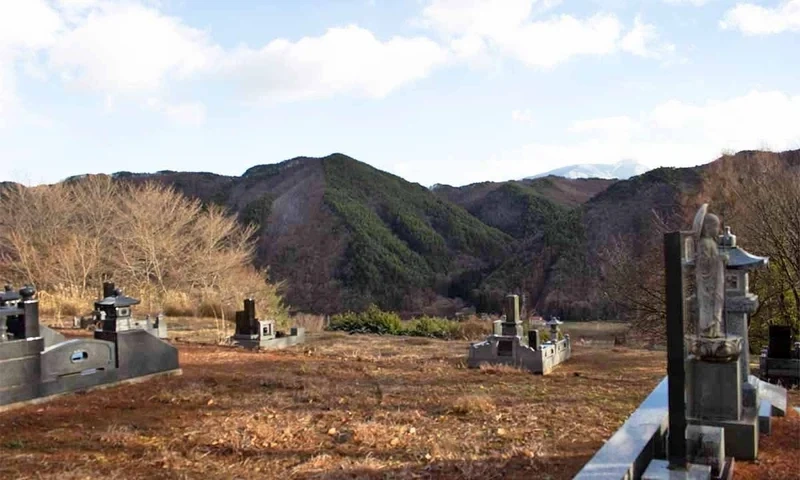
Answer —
340 406
312 323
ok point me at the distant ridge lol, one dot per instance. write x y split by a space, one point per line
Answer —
621 170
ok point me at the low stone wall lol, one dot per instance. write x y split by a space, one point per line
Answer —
541 360
641 438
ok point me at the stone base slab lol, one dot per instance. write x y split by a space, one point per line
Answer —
39 400
659 470
741 436
267 344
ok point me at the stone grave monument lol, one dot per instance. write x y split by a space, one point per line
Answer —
780 361
33 367
254 333
708 411
12 326
508 346
113 313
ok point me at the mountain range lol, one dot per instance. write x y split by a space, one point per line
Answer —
341 234
622 170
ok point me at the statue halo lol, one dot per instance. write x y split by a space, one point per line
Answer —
699 218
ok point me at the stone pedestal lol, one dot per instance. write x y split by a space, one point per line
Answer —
713 390
715 399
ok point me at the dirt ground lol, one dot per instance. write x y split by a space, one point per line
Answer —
348 406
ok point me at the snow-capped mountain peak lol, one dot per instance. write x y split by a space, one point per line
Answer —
621 170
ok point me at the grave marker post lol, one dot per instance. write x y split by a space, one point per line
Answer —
675 295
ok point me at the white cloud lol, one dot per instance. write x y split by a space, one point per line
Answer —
347 60
642 41
25 28
190 113
130 50
486 18
672 133
696 3
513 28
124 48
522 116
551 42
752 19
31 24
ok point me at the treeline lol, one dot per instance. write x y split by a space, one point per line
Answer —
174 253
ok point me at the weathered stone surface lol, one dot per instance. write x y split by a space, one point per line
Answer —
659 470
713 390
706 446
741 436
765 418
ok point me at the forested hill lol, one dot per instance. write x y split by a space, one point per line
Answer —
341 234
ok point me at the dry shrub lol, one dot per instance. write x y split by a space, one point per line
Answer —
499 368
64 301
177 304
470 404
312 323
473 328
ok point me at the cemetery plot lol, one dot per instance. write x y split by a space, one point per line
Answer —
339 407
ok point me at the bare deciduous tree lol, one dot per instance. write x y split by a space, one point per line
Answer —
157 243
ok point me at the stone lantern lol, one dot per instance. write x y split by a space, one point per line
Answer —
554 323
739 301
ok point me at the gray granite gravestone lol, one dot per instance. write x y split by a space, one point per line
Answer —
780 361
507 344
113 313
253 333
38 363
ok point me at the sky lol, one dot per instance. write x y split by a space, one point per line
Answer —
436 91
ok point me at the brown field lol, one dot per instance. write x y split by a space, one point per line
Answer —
345 406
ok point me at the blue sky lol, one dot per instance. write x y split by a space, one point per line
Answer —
437 91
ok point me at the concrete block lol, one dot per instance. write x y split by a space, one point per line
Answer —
76 356
139 353
765 417
741 436
749 395
21 348
50 336
706 446
19 371
659 470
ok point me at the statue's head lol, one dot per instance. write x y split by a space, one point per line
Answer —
711 225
